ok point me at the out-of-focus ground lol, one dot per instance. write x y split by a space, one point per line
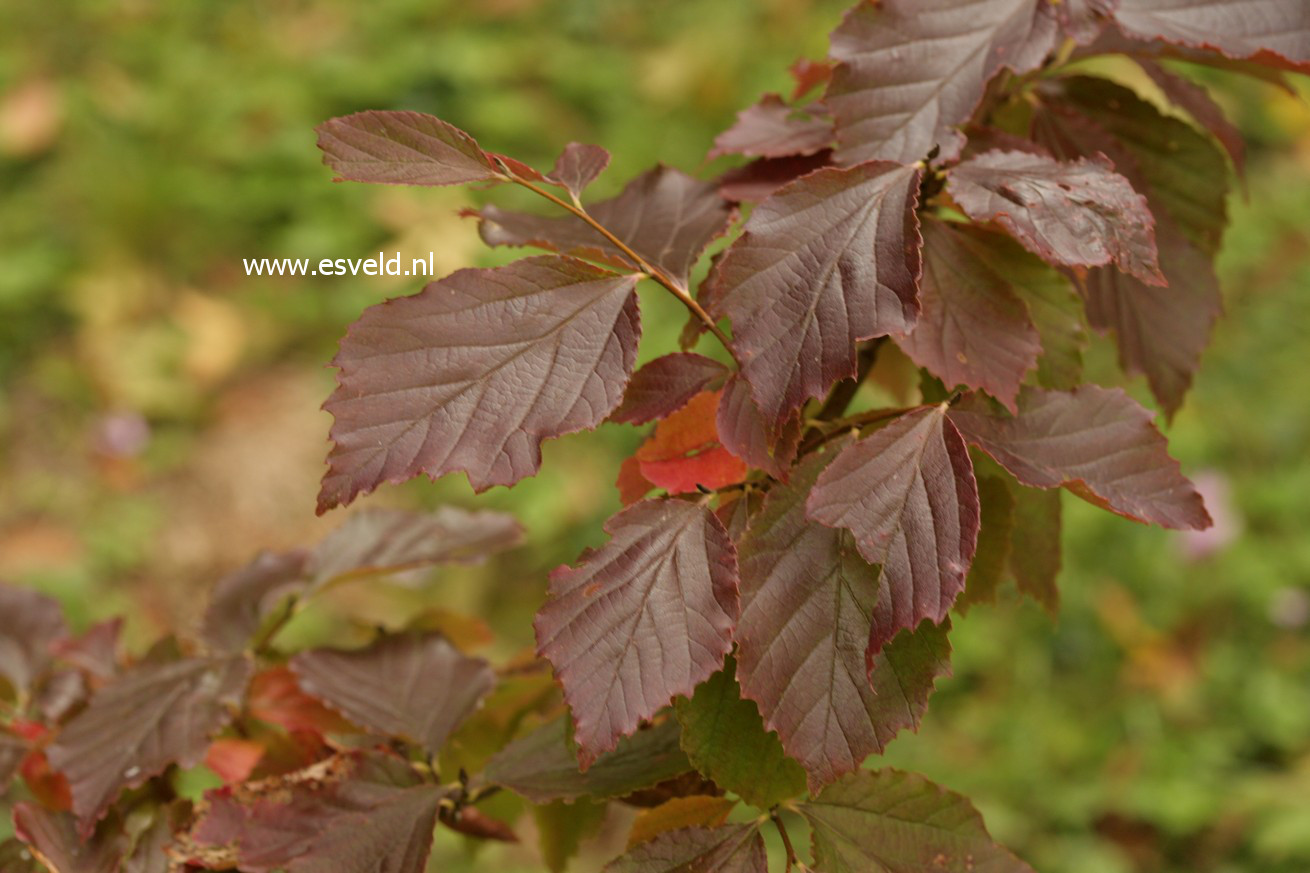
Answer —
160 422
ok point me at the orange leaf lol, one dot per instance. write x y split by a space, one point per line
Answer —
233 759
684 452
47 785
632 485
680 812
276 697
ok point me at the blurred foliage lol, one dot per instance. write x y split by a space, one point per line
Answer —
158 408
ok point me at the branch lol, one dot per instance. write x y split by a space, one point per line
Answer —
645 266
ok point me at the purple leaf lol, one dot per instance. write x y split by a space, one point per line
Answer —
886 821
644 618
139 724
664 386
403 148
378 541
1084 19
973 329
1074 214
475 371
744 432
733 848
664 215
29 624
807 606
772 129
828 260
909 71
578 166
1275 32
908 495
363 813
1097 442
416 687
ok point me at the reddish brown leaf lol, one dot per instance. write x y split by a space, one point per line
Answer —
772 129
908 495
95 651
828 260
378 541
473 822
244 599
908 71
29 624
416 687
684 454
631 483
1097 442
1084 19
760 178
807 607
431 383
357 814
665 385
403 148
53 837
668 573
1269 31
734 848
12 751
46 785
578 166
664 215
1074 214
136 726
973 329
746 434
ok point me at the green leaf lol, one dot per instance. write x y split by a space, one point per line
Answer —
994 537
562 827
543 765
886 821
724 737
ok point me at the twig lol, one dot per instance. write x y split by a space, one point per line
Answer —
792 861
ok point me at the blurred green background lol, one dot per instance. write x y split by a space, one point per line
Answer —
159 416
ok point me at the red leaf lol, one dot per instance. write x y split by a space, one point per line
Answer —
665 385
412 686
808 75
1074 214
46 785
684 454
973 329
828 260
807 606
772 129
631 483
431 383
746 434
908 495
233 758
1098 443
277 698
664 215
140 723
908 71
668 573
403 148
578 166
